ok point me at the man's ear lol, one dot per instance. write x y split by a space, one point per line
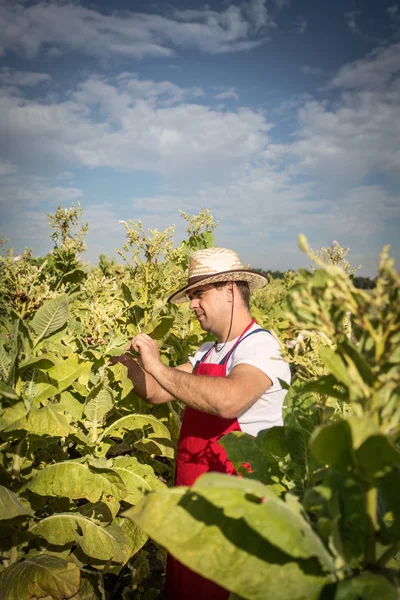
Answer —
230 290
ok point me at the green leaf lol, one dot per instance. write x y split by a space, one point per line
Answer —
137 538
7 392
389 490
43 361
376 456
50 317
159 433
77 480
11 415
5 362
41 576
332 445
162 328
98 403
11 506
361 430
335 365
68 403
367 586
359 361
265 452
214 530
137 477
61 376
43 421
101 543
103 512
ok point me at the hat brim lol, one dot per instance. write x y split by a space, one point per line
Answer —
255 280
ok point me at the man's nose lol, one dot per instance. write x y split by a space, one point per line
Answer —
194 303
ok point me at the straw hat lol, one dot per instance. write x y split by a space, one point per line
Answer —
213 265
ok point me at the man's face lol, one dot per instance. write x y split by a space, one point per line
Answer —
210 305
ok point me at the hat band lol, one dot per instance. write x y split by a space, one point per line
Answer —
196 278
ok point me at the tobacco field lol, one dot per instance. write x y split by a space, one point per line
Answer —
87 507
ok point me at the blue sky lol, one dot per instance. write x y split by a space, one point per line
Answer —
281 116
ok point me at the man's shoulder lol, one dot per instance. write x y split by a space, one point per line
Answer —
260 337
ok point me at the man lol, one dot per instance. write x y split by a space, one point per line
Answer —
230 385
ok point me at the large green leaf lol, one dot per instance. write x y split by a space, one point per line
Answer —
162 328
101 543
281 523
137 477
60 377
335 364
91 587
76 480
99 402
43 576
43 421
12 414
376 456
332 445
43 361
340 510
160 436
367 586
102 512
266 452
50 317
68 403
11 506
233 532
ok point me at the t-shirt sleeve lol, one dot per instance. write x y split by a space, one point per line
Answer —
262 350
200 353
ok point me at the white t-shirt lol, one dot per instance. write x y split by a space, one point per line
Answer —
260 350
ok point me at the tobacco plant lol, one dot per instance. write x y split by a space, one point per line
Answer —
317 515
78 447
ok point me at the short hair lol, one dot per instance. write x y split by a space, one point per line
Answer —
243 288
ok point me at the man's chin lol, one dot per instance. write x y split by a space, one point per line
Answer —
203 323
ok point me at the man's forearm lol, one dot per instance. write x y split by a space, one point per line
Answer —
145 385
208 394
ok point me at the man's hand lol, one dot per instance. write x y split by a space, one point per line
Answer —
150 358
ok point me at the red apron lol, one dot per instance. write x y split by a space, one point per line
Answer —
198 453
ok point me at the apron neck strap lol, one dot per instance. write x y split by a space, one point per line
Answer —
231 350
226 357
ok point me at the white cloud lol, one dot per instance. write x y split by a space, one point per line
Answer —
350 18
258 14
358 134
374 71
134 125
229 94
307 70
282 3
393 10
301 24
28 28
21 78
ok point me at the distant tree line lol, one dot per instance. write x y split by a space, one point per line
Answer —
362 283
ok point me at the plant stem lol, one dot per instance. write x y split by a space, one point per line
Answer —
146 291
14 549
390 552
16 466
372 503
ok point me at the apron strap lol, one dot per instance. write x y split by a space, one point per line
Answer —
226 357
